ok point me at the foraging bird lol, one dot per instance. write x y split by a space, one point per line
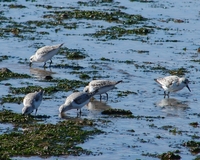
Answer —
103 86
44 54
172 84
32 101
76 101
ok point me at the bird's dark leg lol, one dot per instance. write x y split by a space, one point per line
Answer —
30 64
107 96
44 64
35 112
100 97
166 94
50 63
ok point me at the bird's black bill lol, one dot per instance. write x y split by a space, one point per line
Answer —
188 88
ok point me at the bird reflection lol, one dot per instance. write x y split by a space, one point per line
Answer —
41 73
172 106
95 105
66 117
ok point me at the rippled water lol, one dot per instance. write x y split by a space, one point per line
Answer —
172 45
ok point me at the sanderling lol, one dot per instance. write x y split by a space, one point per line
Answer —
45 53
103 86
32 101
172 84
76 101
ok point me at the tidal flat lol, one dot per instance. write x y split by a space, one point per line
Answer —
134 41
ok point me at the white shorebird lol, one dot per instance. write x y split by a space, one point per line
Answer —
32 101
76 101
103 86
172 84
45 53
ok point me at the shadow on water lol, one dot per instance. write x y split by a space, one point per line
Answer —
41 73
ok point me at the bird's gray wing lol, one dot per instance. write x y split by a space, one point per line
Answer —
38 96
167 81
81 98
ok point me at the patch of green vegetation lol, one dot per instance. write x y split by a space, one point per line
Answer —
116 16
166 127
94 3
4 57
194 124
179 72
7 116
150 155
16 6
131 130
116 111
11 99
125 93
169 155
117 32
84 76
160 68
24 90
75 55
74 67
8 75
193 146
196 60
197 158
44 139
175 131
67 85
104 59
60 85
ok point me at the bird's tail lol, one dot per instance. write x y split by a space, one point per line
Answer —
61 45
119 81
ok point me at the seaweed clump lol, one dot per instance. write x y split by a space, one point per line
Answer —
44 140
170 155
5 73
116 112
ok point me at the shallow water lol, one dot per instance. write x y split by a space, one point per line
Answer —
172 44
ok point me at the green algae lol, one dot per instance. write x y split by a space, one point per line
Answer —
169 156
84 76
6 116
116 32
74 54
11 99
116 16
74 67
8 75
44 140
193 146
60 85
94 3
179 72
16 6
116 111
194 124
4 57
